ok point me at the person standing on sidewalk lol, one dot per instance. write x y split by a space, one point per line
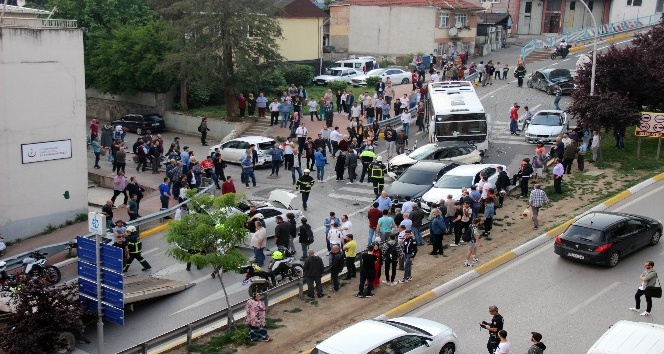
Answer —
437 229
558 172
648 279
96 149
538 198
417 216
390 136
367 273
276 152
350 251
306 237
409 253
261 104
405 120
313 272
581 156
120 187
351 165
336 266
274 112
203 129
594 145
164 193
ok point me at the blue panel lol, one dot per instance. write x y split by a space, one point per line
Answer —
86 249
111 296
108 278
111 258
110 313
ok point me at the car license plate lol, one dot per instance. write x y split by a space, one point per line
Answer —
574 255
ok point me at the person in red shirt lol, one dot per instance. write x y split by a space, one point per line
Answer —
94 128
227 186
242 104
413 79
207 166
373 215
514 119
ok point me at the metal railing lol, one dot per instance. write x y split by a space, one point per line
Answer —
15 261
37 22
588 34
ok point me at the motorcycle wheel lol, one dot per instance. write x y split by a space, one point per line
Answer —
52 274
66 342
257 288
296 271
554 55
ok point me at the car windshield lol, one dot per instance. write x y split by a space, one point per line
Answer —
318 351
418 177
334 72
560 75
546 119
422 152
454 182
578 233
376 72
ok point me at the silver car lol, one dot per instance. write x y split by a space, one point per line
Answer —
546 126
397 76
336 74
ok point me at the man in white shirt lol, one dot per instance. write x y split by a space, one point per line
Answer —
407 206
289 159
335 236
435 77
346 226
355 112
301 134
405 119
335 138
274 112
313 109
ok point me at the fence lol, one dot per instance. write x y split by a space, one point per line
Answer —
37 22
587 34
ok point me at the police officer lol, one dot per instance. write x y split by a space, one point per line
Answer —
494 327
304 185
135 247
377 171
366 156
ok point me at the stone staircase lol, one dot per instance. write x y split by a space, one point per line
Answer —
539 56
260 127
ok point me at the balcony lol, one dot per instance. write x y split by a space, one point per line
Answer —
22 22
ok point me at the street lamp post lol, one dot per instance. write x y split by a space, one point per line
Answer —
596 29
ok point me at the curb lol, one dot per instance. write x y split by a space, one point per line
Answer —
612 39
465 278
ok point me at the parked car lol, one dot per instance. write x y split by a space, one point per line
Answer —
606 237
417 180
233 150
462 176
444 151
398 335
336 74
360 64
398 76
546 126
546 80
142 123
631 337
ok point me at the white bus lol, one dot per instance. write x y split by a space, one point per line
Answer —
455 113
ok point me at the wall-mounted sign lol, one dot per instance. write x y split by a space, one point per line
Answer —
651 124
46 151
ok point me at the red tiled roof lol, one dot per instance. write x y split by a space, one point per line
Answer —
299 9
445 4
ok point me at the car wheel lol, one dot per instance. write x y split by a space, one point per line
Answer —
139 131
614 259
549 91
529 83
447 349
404 81
655 238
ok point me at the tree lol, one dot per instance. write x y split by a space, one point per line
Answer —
209 236
627 81
47 319
221 41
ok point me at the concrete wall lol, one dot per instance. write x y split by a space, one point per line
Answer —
42 99
579 18
302 38
179 122
339 27
108 106
620 11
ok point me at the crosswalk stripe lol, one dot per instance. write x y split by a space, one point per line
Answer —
351 198
369 190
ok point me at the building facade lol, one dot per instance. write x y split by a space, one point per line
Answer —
43 179
622 10
302 30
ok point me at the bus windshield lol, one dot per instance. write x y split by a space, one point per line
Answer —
461 128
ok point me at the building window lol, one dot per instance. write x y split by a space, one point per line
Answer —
462 19
634 2
590 5
660 6
572 5
444 20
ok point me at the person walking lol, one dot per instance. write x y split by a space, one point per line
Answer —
135 247
537 347
336 266
367 273
391 252
258 243
648 279
520 73
96 149
320 161
472 238
437 228
313 272
409 253
304 184
350 251
255 319
306 237
493 327
164 193
538 198
277 154
377 172
120 187
132 207
594 145
559 94
203 129
558 172
248 171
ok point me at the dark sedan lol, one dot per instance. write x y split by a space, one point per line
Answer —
605 238
142 123
417 180
546 80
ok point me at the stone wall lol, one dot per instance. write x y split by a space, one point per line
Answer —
108 107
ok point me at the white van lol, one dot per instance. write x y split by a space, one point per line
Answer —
358 64
627 337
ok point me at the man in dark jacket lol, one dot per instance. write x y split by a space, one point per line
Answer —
437 228
351 164
306 237
313 272
409 253
336 266
538 347
502 182
525 172
569 155
367 273
417 216
282 233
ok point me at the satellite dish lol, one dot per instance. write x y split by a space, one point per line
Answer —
453 32
487 6
458 25
20 3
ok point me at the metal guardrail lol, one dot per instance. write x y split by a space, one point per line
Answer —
16 260
394 120
37 23
587 34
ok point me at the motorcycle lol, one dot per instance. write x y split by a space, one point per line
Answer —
35 265
562 52
261 281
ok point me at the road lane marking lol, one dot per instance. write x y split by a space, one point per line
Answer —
638 199
352 198
153 250
588 301
231 289
368 190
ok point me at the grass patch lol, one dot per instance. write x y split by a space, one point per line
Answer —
625 160
218 111
233 337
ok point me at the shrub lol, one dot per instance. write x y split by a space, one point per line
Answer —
298 75
386 63
373 80
199 94
337 85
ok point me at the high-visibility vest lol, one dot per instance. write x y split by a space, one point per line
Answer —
135 245
377 170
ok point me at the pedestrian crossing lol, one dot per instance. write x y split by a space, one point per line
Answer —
360 192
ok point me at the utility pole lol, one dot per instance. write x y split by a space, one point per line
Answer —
592 72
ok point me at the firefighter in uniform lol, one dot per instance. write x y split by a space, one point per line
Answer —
367 156
304 184
377 171
135 247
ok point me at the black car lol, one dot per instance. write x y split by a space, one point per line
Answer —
547 79
604 237
417 180
142 123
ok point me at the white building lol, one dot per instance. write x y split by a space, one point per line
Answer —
633 9
43 178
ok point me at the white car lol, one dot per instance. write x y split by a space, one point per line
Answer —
336 74
444 151
546 126
398 76
463 176
407 335
233 150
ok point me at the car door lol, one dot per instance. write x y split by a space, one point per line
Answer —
269 216
228 152
619 237
638 233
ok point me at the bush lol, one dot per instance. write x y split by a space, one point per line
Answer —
337 85
199 94
386 63
271 81
373 80
298 75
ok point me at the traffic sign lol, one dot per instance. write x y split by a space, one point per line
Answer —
86 249
97 223
111 296
110 313
111 256
108 278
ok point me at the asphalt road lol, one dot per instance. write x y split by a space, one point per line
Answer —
159 316
571 304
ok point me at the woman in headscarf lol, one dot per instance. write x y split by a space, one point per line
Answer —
256 319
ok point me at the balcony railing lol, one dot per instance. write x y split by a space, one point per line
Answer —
36 23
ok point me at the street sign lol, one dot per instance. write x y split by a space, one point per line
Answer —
111 256
110 313
651 125
108 278
97 223
110 296
86 249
